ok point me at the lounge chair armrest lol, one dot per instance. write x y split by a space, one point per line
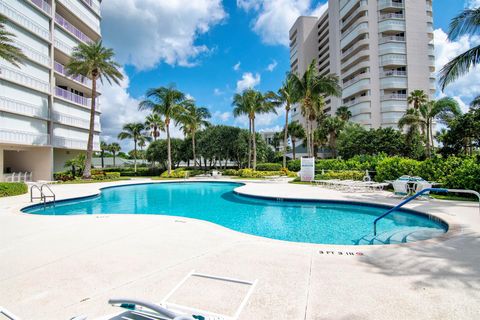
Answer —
149 305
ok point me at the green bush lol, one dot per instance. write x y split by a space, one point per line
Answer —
250 173
230 172
177 173
342 175
465 176
394 167
63 176
112 175
141 171
269 167
293 165
8 189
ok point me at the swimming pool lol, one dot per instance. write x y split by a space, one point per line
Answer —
326 222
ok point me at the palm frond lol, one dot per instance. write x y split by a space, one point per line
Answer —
467 22
459 66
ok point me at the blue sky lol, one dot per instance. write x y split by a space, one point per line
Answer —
196 44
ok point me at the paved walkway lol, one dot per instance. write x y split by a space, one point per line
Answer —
55 267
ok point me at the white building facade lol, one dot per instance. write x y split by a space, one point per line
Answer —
381 50
45 113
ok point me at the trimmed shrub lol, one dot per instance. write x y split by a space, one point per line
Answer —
342 175
177 173
394 167
465 176
230 172
269 167
294 165
8 189
63 176
112 175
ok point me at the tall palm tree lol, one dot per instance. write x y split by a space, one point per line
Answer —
114 148
296 132
133 131
286 96
333 126
155 123
467 22
443 110
8 51
103 148
344 113
242 107
417 98
168 102
312 90
96 62
192 120
252 102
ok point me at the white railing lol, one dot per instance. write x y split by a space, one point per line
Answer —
362 6
350 36
72 29
357 44
357 100
391 39
70 96
63 47
43 5
23 137
392 16
93 5
394 96
70 143
395 59
78 12
21 107
393 73
24 21
34 54
390 4
74 121
60 68
23 79
355 79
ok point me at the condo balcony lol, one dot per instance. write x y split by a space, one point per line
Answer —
393 60
23 137
393 83
361 84
362 6
72 29
71 143
386 16
391 25
73 121
43 5
385 4
33 54
394 96
357 100
359 29
24 21
392 47
86 17
393 73
386 39
24 79
75 98
93 5
23 108
60 68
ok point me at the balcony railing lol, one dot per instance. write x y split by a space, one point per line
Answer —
70 143
74 121
390 4
391 39
94 25
70 28
363 4
24 108
43 5
60 68
70 96
393 73
355 46
22 137
356 78
65 48
24 21
95 7
394 96
392 16
23 79
357 100
34 54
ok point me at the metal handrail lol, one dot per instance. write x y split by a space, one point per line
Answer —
416 195
43 197
31 193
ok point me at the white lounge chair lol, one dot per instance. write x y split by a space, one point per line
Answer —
400 188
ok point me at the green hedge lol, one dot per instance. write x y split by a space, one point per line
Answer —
8 189
141 171
269 167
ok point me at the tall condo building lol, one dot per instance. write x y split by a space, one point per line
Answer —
44 112
380 49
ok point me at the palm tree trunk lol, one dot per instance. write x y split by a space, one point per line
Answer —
135 155
102 153
285 138
249 143
169 151
193 151
427 133
114 165
88 161
312 147
293 148
254 142
431 139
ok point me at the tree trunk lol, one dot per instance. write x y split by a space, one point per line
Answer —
135 155
312 147
249 143
114 165
254 145
293 148
193 151
169 151
88 161
285 138
102 154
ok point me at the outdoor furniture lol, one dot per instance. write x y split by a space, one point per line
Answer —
216 174
400 188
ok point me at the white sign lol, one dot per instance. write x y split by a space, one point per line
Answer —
307 169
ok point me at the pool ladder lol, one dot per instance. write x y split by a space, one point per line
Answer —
43 196
418 194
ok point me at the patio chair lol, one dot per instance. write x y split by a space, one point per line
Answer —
400 188
420 185
216 174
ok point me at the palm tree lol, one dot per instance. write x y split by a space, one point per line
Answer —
133 131
242 107
344 113
168 102
312 90
95 62
103 148
252 102
417 98
443 110
114 148
475 103
156 124
467 22
333 126
192 120
8 51
296 132
287 96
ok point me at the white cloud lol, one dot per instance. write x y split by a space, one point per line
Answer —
236 67
262 121
218 92
466 87
276 128
144 33
274 18
221 116
249 80
272 66
473 4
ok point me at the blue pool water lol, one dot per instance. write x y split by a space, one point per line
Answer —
301 221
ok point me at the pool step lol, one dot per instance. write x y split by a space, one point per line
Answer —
409 234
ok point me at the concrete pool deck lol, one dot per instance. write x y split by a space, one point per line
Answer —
56 267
